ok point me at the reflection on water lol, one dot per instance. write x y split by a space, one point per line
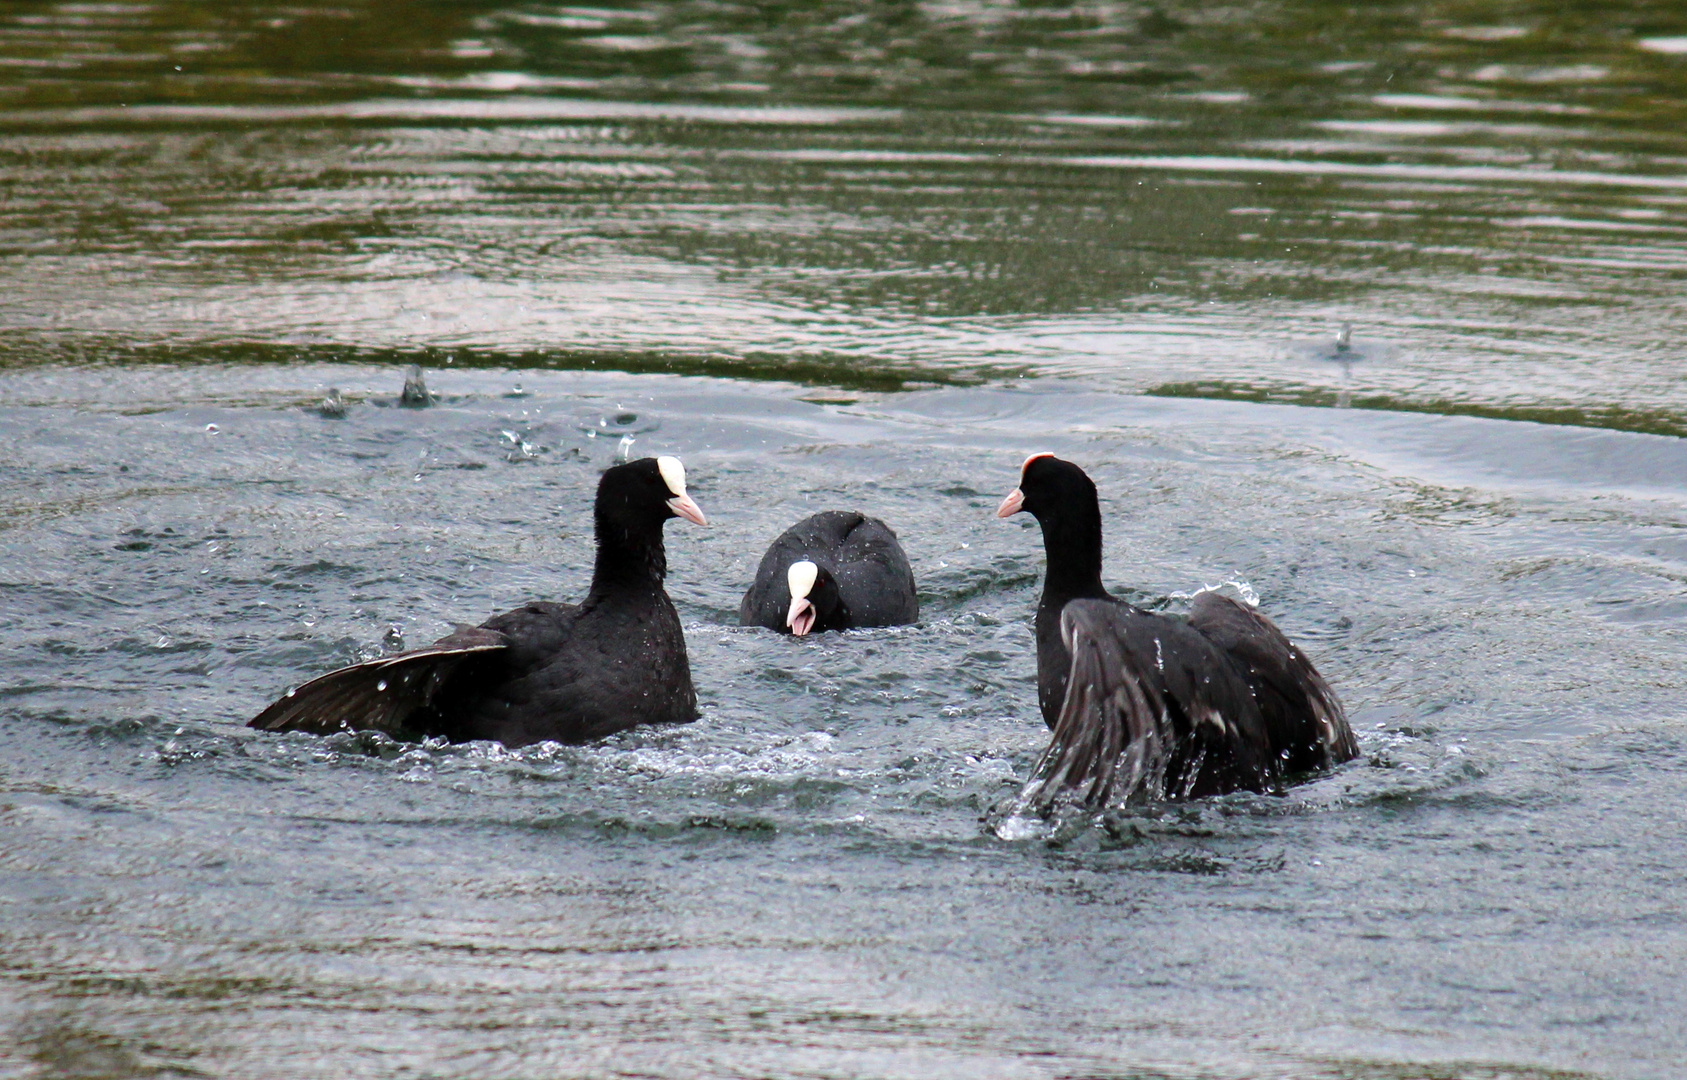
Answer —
1143 196
844 253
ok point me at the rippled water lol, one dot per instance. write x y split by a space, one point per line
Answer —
841 255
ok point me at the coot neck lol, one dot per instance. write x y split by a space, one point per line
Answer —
830 611
835 617
1072 547
629 558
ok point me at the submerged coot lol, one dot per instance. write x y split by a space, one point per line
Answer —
835 570
1152 704
543 671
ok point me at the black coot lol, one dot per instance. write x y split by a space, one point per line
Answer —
566 672
1150 704
835 570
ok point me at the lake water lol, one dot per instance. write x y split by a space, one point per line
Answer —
841 255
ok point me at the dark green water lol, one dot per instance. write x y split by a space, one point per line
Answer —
841 254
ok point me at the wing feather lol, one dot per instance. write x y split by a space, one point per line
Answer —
1152 709
1305 719
1113 730
378 695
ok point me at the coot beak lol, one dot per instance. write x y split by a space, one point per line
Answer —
801 618
683 506
1013 504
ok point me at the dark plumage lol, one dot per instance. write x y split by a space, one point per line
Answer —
860 577
1153 704
566 672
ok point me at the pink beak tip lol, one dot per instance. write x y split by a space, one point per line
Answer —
801 617
683 506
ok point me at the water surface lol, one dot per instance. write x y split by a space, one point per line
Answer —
840 255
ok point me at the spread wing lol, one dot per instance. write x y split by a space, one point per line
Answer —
379 695
1303 716
1151 707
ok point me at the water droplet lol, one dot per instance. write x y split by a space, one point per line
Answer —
381 686
415 393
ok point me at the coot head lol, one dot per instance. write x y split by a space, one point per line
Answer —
640 495
1049 488
1062 498
815 602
